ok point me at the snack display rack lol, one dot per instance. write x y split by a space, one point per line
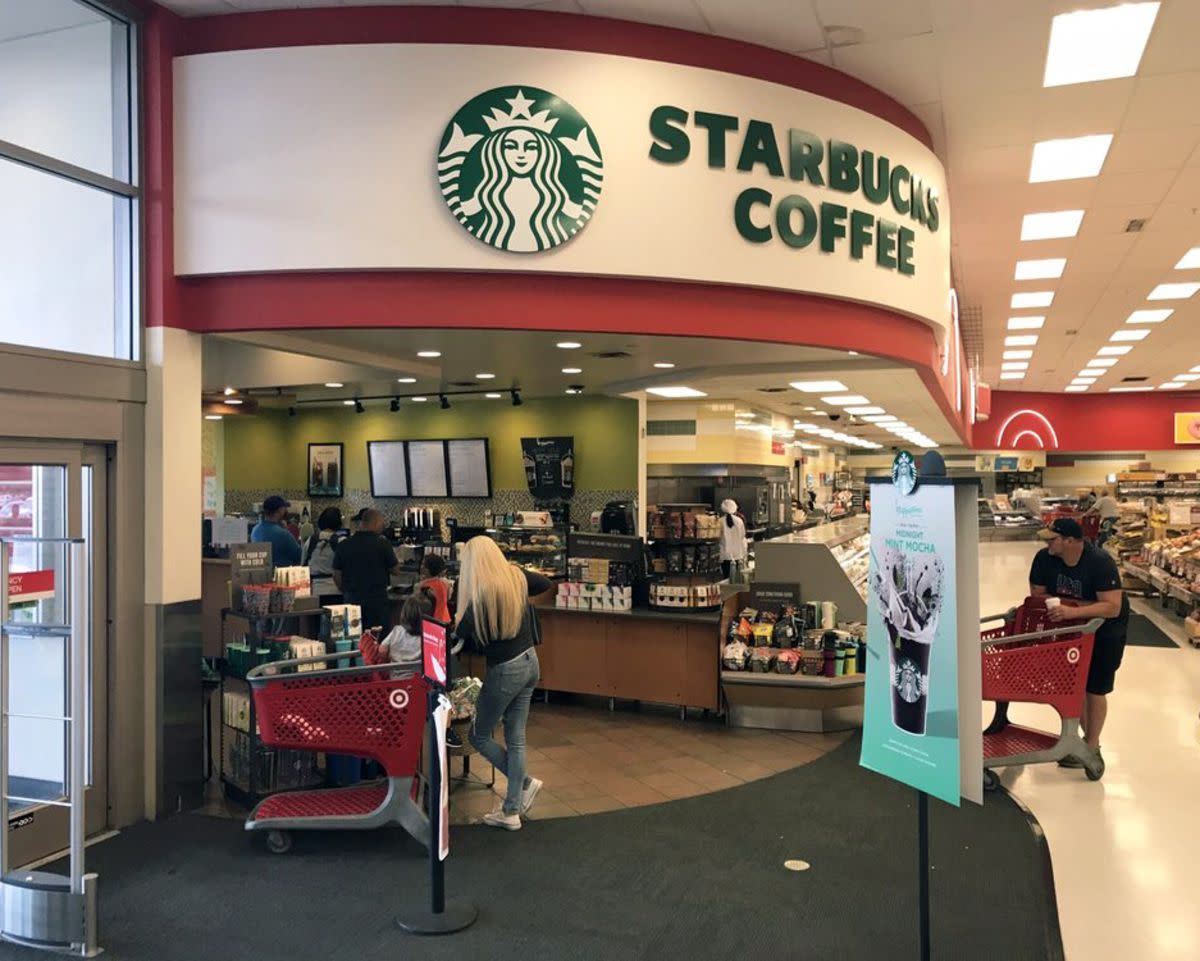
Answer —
685 556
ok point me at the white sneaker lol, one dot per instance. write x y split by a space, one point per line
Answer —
498 819
529 794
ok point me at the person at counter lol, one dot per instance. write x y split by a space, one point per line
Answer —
433 568
285 549
319 551
733 537
363 565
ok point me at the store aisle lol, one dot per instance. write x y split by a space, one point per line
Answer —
1125 848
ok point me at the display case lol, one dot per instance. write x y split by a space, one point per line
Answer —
542 549
685 556
1000 521
830 562
1158 484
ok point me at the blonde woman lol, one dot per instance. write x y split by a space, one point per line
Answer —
496 620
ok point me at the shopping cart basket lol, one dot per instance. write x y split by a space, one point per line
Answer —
1029 659
364 711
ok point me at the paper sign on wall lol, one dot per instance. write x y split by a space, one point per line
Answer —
1187 428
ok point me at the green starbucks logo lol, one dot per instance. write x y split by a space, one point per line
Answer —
520 169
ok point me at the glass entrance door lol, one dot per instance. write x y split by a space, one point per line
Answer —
52 492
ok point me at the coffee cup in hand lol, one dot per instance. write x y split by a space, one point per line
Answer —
1052 603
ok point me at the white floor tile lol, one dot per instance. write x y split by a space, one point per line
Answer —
1126 848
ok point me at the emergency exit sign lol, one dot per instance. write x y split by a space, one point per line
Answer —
29 586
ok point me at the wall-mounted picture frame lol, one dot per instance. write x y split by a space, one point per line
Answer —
325 476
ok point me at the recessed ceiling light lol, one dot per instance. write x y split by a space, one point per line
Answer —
1012 375
334 384
1129 390
1085 381
1172 291
1114 351
664 365
1051 225
1020 340
1075 389
406 380
493 396
1186 378
1102 362
1173 385
1149 316
1026 323
852 353
230 391
234 401
1129 335
1194 370
845 400
675 392
213 417
880 418
568 345
485 376
419 400
572 370
1040 269
429 353
348 403
1032 298
1092 372
1190 260
862 411
819 386
1089 45
1017 354
1015 365
1069 159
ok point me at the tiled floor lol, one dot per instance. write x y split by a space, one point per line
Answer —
1125 848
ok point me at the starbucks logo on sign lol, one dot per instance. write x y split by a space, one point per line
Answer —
520 169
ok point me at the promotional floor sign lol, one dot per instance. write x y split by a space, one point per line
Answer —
433 650
441 719
910 715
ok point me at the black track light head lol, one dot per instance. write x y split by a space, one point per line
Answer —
444 401
358 407
291 412
394 406
516 398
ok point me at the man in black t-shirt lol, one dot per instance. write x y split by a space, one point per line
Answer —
1070 568
362 568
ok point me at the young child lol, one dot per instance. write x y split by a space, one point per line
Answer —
403 644
433 577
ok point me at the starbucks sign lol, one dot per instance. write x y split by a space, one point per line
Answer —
520 169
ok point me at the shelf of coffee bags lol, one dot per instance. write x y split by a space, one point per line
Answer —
771 679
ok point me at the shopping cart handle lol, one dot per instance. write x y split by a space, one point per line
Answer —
1089 628
272 669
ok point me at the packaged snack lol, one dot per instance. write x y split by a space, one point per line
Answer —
787 662
760 659
786 632
763 634
733 657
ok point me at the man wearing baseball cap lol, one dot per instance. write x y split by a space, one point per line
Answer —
285 549
1070 568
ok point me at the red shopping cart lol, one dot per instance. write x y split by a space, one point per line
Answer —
1089 522
1031 660
362 711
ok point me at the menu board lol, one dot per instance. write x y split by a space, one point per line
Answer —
469 468
389 472
427 468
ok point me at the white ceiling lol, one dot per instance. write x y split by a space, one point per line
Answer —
368 363
28 18
972 71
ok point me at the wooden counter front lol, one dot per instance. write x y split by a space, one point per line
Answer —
659 656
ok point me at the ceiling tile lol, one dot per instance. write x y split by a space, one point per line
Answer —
988 119
905 68
1081 109
782 24
1007 56
1165 148
896 18
1146 187
666 13
1162 100
196 8
1172 45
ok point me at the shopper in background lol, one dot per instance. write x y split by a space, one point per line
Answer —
285 549
1087 500
403 644
1109 511
495 619
733 537
363 565
432 569
319 551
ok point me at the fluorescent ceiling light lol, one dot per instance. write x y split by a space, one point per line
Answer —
334 384
1102 362
1190 260
214 417
664 365
419 400
1089 45
1084 381
1051 225
572 370
1011 375
1129 390
1194 370
1173 385
880 418
485 376
1186 378
818 386
1032 298
568 345
675 393
1091 373
1130 335
347 403
1149 316
1069 159
1015 365
1046 269
1076 390
1017 354
1114 351
845 400
1020 340
429 353
1026 323
493 396
860 411
1172 291
406 380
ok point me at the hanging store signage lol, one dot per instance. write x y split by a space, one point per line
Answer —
549 466
29 586
1187 428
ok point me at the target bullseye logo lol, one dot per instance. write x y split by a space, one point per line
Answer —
1073 655
398 699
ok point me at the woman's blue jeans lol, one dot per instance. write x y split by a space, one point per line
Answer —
506 694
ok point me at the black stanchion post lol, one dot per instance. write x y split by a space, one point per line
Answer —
923 870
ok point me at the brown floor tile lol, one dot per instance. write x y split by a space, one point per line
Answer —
688 766
545 810
596 805
747 770
638 794
717 781
572 792
609 782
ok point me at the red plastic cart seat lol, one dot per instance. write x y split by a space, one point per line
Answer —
334 802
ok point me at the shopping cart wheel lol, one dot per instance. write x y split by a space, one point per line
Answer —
279 842
991 781
1094 773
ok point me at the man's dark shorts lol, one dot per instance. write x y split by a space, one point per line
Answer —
1106 658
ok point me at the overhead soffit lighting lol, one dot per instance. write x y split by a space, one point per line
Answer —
1173 385
1083 381
568 345
1089 45
419 400
1114 351
1130 335
1046 269
572 370
1021 340
429 354
1032 298
1072 158
1017 355
1092 372
863 411
1015 365
406 380
334 384
1026 323
1051 225
1194 370
493 396
1012 375
1149 316
664 365
845 400
1076 390
1129 390
1173 291
1102 362
818 386
485 376
1190 260
1186 378
675 393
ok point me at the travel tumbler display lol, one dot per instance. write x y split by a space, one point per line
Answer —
908 589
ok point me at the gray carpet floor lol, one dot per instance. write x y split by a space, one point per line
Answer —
701 878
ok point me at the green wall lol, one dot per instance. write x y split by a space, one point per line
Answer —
270 450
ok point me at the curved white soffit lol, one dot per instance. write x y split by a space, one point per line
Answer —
1033 413
1030 433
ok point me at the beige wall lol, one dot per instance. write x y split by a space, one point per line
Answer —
717 439
1093 472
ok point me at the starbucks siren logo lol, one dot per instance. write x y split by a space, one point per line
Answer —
520 170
